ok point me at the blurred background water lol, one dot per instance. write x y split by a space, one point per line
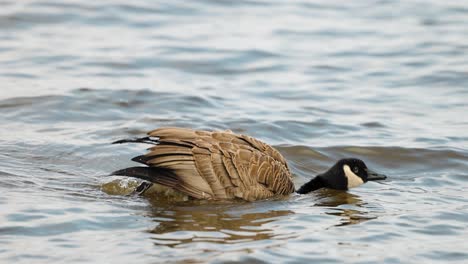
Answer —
386 81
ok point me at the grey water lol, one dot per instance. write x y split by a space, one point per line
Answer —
385 81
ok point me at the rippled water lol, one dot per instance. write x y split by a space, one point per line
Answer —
385 81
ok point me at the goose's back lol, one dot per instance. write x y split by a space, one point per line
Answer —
219 165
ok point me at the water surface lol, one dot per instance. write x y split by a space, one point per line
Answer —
385 81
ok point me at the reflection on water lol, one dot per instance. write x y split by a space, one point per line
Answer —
335 198
184 222
349 207
212 224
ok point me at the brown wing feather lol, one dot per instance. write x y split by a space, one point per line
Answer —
220 165
265 148
205 168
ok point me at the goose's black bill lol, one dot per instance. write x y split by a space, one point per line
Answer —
374 176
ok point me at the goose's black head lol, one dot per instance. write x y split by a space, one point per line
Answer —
345 174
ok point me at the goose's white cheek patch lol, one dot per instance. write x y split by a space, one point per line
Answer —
353 179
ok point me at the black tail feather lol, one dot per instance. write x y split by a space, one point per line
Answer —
143 159
137 172
156 175
147 140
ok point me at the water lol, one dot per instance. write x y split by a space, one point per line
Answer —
385 81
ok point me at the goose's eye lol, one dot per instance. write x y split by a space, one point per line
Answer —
356 170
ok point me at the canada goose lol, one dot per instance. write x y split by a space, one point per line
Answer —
223 165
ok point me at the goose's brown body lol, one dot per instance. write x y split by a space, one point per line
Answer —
216 165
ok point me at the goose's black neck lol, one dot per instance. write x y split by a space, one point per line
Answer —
312 185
